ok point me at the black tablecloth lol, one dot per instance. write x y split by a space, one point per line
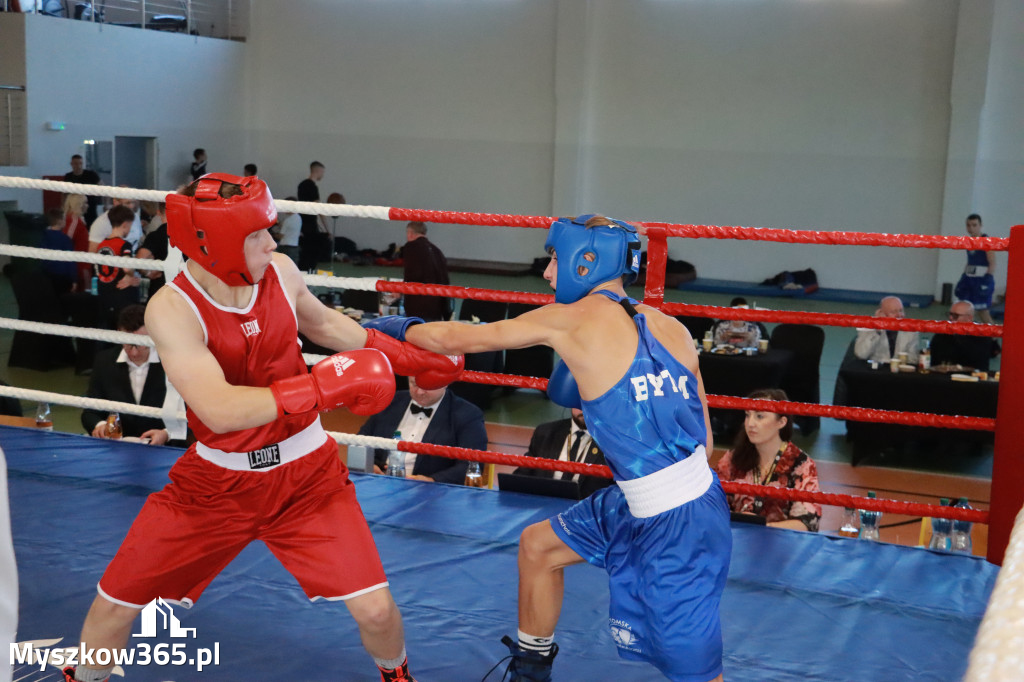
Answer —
740 375
935 393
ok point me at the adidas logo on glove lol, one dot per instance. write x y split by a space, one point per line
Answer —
341 363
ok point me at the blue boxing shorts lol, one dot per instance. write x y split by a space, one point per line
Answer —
977 290
666 574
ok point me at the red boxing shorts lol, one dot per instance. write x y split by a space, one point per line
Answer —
305 511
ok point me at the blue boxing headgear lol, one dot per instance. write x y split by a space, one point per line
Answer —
615 251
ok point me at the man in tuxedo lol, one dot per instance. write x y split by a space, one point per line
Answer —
436 416
566 440
129 374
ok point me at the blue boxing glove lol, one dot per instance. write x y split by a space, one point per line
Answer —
392 325
562 388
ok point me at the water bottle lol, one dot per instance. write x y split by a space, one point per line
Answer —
849 528
869 521
941 530
95 286
960 540
396 459
474 476
43 419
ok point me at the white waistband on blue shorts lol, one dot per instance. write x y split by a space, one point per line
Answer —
270 456
672 487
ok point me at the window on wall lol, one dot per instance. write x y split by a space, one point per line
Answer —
13 126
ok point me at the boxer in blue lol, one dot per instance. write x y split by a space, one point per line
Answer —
662 533
977 284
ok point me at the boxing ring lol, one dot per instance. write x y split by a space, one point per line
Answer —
797 605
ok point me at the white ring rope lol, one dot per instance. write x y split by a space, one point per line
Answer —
76 332
307 207
356 283
33 395
81 257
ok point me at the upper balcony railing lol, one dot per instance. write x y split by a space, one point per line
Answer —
227 19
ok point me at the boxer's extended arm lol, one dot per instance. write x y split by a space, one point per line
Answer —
322 325
195 372
543 326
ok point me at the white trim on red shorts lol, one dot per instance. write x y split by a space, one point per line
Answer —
290 449
351 595
184 603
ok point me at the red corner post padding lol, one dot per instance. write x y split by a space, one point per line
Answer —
1007 472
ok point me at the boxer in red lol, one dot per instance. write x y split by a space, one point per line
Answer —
263 467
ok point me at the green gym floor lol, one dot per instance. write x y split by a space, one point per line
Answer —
528 407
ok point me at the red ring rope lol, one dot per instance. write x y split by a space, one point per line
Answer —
716 312
723 232
731 487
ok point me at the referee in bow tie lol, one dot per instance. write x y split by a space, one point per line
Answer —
429 416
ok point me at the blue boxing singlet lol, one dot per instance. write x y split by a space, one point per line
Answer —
652 417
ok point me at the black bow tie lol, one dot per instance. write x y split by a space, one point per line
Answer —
416 409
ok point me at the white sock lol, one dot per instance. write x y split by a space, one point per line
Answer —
541 645
90 675
390 663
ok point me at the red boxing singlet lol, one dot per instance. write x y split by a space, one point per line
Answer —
255 346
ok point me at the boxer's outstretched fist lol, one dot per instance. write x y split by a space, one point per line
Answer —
431 370
361 380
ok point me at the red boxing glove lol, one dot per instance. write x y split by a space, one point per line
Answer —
361 380
430 370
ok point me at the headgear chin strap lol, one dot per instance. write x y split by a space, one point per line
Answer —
614 251
211 229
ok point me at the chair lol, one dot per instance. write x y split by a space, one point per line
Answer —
802 380
485 311
534 361
38 302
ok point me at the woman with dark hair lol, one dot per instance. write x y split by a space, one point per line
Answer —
764 455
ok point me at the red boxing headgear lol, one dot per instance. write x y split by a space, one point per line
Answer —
211 230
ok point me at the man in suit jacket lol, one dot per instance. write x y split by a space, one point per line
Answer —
970 351
882 345
423 262
557 440
439 417
130 374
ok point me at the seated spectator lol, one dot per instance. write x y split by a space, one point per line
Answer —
63 274
289 225
249 170
764 455
129 374
78 231
956 349
155 244
566 440
737 332
421 416
881 345
117 287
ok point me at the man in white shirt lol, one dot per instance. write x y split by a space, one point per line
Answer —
566 440
429 416
881 345
289 225
130 374
101 228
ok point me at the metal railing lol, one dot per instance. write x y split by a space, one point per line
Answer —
227 19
